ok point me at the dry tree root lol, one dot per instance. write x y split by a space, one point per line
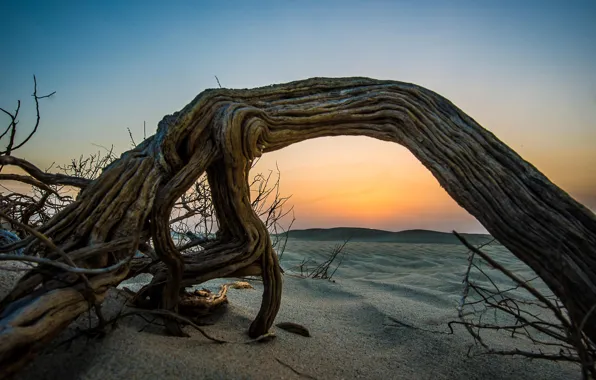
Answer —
203 302
294 370
220 133
171 315
193 305
21 321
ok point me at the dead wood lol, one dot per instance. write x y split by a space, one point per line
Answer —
221 132
537 317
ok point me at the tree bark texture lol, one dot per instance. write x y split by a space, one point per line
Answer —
222 131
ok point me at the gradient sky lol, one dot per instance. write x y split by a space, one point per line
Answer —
526 70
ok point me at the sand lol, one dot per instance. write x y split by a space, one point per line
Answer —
352 323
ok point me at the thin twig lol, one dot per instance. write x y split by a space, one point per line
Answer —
293 370
170 314
11 148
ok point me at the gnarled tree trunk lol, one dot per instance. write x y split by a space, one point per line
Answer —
221 131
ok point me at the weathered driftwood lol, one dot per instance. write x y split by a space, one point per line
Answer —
221 131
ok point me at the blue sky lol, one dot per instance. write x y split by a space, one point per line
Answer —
523 69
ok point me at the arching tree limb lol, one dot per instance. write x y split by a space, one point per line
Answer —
221 131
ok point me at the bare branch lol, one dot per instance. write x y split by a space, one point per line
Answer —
47 178
11 147
561 336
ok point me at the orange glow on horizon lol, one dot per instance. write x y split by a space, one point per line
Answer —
382 184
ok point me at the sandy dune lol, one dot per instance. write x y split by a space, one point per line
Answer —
352 323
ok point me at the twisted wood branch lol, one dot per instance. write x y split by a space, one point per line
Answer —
222 131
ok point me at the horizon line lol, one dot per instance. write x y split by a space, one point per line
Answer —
377 229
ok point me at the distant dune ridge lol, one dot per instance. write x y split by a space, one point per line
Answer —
381 236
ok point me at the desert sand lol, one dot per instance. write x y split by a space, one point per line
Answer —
351 320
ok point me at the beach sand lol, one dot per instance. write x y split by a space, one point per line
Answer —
352 323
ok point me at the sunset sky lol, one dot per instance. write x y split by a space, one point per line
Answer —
526 70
